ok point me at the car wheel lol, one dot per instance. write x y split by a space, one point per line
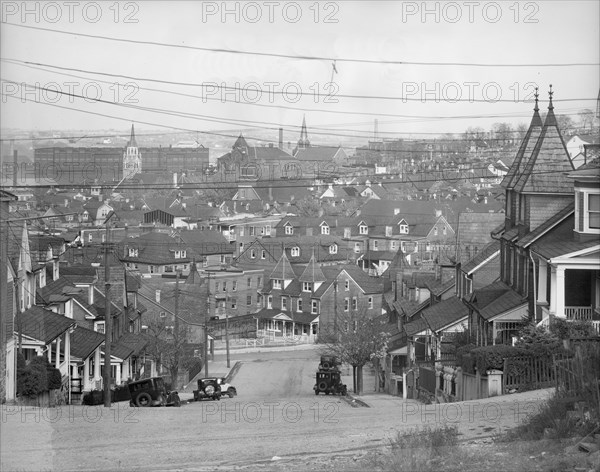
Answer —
230 392
209 390
322 386
143 399
326 365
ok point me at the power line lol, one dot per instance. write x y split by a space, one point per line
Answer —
296 56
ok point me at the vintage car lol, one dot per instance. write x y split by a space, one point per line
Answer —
329 363
226 388
208 388
152 392
329 382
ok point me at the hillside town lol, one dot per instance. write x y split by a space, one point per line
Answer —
333 236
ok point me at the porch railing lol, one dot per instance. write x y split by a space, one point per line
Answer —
578 312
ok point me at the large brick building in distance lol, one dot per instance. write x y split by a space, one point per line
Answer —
74 165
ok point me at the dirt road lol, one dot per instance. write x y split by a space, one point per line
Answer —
276 415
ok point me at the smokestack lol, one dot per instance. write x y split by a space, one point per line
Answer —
280 138
15 167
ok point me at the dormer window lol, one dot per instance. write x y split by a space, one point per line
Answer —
277 284
587 211
133 252
363 229
403 227
435 231
347 285
324 228
333 249
444 231
289 229
307 286
180 254
295 252
593 211
252 254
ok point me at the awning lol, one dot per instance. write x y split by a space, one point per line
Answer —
401 351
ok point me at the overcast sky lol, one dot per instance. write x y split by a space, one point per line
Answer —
451 37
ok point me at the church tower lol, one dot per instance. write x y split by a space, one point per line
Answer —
303 142
132 159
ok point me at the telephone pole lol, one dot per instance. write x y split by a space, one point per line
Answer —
206 326
174 382
227 332
107 319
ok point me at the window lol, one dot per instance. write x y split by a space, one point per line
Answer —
270 301
289 229
277 284
132 252
295 252
333 249
394 244
163 314
299 305
370 302
104 238
363 229
234 285
356 247
217 285
234 303
346 304
258 282
252 230
284 303
403 227
242 230
354 303
249 282
168 268
263 254
100 327
444 230
594 211
224 286
347 285
375 245
347 233
249 300
90 237
268 230
324 228
252 254
307 286
314 309
435 231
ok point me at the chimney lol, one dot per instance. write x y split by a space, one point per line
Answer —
174 179
157 296
280 138
438 213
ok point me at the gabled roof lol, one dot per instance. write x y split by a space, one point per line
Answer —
42 325
445 313
84 342
490 251
317 153
495 299
283 269
415 326
547 225
60 286
560 240
543 172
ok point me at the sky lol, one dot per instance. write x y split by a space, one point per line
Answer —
418 68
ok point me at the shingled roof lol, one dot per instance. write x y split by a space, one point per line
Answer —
312 272
445 313
543 172
42 325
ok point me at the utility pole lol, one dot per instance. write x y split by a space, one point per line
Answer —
174 382
206 326
107 319
227 332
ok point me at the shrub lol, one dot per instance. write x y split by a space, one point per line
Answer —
54 378
32 379
492 357
564 329
464 359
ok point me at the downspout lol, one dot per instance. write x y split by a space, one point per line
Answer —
534 289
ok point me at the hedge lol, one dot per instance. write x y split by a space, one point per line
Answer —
36 377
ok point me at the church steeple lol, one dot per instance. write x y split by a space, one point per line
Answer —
132 142
303 142
132 159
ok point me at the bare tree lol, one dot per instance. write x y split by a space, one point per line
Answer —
357 339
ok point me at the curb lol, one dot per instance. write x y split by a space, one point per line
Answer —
355 402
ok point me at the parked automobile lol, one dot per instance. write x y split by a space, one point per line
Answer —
152 392
226 388
208 388
329 382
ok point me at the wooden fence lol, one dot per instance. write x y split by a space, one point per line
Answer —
427 379
471 387
528 373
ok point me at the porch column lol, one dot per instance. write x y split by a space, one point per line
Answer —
97 365
118 376
57 360
293 328
86 374
553 290
283 328
542 277
68 353
560 292
49 350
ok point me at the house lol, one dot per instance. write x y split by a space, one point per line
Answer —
164 253
95 212
566 252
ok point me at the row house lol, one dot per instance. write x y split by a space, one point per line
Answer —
538 199
158 253
241 232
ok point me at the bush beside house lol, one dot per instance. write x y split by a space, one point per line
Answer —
37 381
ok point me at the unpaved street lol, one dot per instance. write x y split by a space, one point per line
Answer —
275 414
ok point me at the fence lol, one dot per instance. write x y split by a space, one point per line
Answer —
527 373
427 379
471 387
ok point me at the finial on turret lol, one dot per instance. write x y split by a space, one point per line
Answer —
536 95
550 93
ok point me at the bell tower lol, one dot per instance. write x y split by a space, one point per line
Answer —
132 159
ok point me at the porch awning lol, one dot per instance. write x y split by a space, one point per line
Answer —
42 325
401 351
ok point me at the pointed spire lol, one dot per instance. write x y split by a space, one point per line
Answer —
550 118
283 269
303 142
194 276
313 272
536 95
132 142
